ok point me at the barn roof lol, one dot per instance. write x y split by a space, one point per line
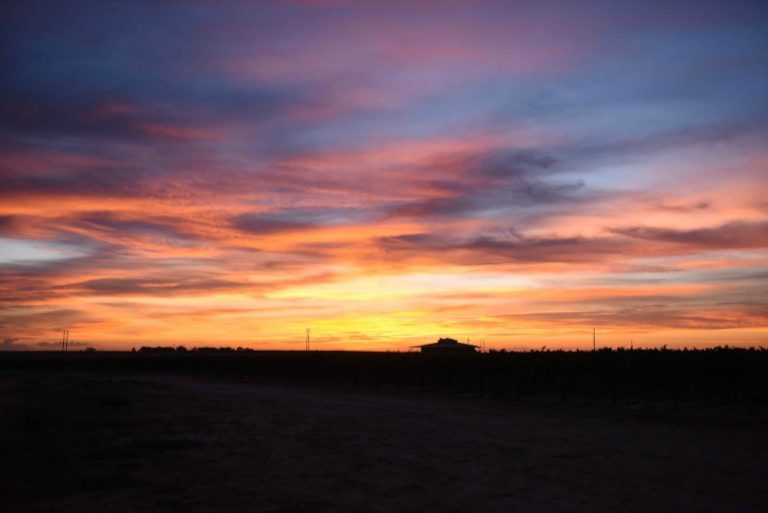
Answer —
447 343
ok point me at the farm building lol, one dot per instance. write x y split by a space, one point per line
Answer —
446 346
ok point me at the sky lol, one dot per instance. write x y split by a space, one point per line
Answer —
384 173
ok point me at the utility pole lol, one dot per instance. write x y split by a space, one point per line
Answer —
64 341
593 339
306 343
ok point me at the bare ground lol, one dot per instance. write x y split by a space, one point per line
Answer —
91 443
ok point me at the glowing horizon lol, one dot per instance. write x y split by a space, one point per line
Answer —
384 173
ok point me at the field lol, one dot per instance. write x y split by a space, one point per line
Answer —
338 432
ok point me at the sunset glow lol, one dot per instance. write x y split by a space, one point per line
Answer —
384 173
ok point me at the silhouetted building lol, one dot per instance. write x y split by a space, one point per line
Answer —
447 346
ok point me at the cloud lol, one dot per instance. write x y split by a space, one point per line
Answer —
734 235
110 181
685 207
34 116
490 183
267 224
12 344
296 219
507 248
654 318
8 223
513 246
152 286
169 228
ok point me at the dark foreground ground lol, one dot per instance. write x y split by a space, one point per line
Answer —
86 441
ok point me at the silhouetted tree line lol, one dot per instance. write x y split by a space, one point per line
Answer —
183 349
722 375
